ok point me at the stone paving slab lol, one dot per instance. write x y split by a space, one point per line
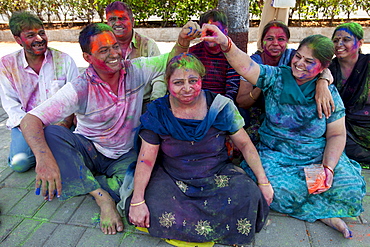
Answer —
66 210
7 225
65 235
87 214
20 234
288 229
28 206
40 234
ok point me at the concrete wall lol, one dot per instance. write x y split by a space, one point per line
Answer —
170 34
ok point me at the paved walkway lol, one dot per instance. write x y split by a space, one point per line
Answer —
28 220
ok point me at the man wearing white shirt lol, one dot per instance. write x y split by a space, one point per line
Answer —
28 77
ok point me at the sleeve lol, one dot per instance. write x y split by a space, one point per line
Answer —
145 69
150 137
72 71
237 120
59 106
159 86
229 118
232 83
153 49
269 75
64 66
10 99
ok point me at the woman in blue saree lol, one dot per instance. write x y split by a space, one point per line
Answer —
293 137
185 186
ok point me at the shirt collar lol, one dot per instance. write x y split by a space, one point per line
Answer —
134 40
24 60
94 77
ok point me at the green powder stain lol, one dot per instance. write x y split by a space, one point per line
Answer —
96 219
113 184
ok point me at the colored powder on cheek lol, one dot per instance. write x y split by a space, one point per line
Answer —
198 85
314 68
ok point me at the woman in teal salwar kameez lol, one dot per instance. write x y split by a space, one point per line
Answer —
293 137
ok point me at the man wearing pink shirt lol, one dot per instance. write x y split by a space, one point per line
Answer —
106 99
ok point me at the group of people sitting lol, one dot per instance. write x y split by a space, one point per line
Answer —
166 165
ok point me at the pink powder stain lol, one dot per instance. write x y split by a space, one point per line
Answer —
146 162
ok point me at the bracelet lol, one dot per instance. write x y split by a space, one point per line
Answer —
329 168
326 79
181 46
268 183
137 204
228 45
251 95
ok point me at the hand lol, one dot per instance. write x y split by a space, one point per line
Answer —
48 178
328 181
268 193
324 99
190 31
212 33
139 215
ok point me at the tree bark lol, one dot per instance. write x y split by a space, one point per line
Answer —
237 12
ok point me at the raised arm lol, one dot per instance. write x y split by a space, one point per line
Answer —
139 212
238 59
250 154
189 31
47 170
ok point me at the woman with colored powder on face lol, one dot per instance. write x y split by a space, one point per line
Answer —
351 72
274 40
185 187
293 137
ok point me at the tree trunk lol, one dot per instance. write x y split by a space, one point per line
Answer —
237 12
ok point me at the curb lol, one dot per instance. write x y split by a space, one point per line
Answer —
170 34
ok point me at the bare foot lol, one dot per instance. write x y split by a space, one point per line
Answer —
339 225
110 219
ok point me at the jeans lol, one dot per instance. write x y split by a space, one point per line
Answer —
84 169
21 157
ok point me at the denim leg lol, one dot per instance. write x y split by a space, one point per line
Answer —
20 158
113 173
75 156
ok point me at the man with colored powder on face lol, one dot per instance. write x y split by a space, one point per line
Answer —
220 77
27 78
120 17
107 100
